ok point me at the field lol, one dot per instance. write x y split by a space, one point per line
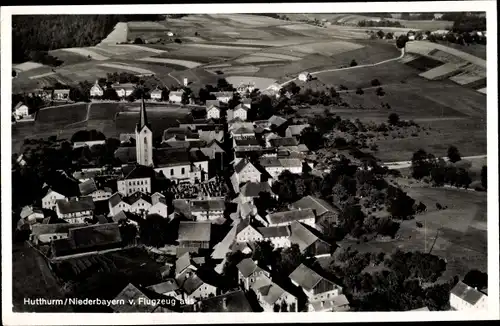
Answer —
63 115
184 63
25 66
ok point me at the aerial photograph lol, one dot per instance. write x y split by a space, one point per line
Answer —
267 162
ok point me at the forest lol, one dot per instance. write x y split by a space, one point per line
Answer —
35 33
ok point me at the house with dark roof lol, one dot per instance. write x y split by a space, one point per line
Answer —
278 235
168 288
75 210
135 178
251 190
239 112
272 297
305 216
89 188
194 234
308 241
320 206
248 272
131 299
196 286
46 233
464 297
207 209
88 238
246 232
244 171
315 286
181 165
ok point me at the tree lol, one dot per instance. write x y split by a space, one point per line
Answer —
393 119
380 34
178 40
359 91
380 91
476 279
389 36
311 138
138 40
399 204
484 177
152 230
375 82
263 253
453 154
422 164
186 95
401 41
353 63
110 94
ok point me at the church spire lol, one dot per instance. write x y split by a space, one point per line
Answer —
143 119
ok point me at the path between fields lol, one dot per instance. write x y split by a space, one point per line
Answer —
348 68
407 164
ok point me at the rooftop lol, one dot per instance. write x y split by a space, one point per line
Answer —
76 205
164 287
467 293
87 187
253 189
274 231
320 206
305 277
207 205
194 231
130 295
290 216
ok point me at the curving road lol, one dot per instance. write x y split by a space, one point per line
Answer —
349 68
407 164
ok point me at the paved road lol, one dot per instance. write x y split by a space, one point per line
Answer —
407 164
349 68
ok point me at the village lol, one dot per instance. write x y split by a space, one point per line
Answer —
210 183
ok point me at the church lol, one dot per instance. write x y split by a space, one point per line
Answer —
178 165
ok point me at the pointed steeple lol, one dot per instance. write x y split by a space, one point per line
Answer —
143 119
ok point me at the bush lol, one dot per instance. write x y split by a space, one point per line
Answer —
380 91
359 91
178 40
353 63
138 40
375 82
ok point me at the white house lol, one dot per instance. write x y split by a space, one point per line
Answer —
123 90
135 178
21 111
156 94
96 90
30 214
245 87
49 200
271 296
207 209
61 94
315 286
239 112
118 203
278 235
248 272
305 76
195 288
223 97
464 297
245 232
213 112
75 210
139 202
245 171
175 96
158 205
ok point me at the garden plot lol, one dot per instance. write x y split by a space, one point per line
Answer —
282 42
259 82
445 57
184 63
129 68
326 48
298 27
26 66
278 56
421 63
42 75
87 52
444 71
239 70
252 20
145 25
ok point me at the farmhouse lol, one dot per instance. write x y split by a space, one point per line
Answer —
49 200
315 286
46 233
464 297
158 205
135 178
118 203
251 190
194 234
169 288
96 90
196 287
305 216
271 295
123 90
248 272
305 76
89 188
29 213
223 97
278 235
245 232
208 209
75 210
175 96
244 171
21 110
239 112
61 94
337 303
156 94
243 88
213 112
308 241
320 206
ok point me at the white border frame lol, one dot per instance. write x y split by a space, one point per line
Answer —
489 6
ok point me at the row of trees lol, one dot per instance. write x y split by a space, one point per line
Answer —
381 23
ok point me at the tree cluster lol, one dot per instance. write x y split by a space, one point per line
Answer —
381 23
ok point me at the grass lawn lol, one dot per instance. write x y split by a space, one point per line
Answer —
62 115
32 278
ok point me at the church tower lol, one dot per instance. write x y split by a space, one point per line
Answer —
144 139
